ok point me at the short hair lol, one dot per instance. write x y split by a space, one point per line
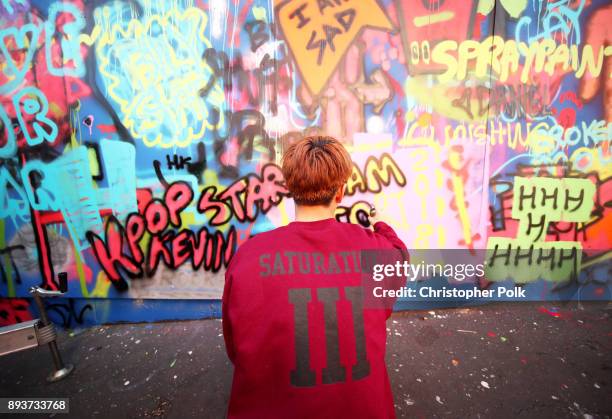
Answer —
314 168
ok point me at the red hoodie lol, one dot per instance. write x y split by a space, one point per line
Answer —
295 327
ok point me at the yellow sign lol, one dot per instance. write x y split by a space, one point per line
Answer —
319 32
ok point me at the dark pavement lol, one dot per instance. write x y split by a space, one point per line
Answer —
533 360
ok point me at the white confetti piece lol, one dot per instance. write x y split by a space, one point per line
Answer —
439 400
484 384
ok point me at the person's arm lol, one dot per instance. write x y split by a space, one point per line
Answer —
382 228
386 233
227 326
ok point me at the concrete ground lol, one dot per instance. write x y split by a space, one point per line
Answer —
532 360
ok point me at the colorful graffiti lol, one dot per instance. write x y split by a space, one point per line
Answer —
140 140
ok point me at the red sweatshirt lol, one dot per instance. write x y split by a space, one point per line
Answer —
295 327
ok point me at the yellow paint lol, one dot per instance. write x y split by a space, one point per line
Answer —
462 209
94 167
297 32
355 182
454 160
392 208
440 206
421 21
282 210
90 39
485 6
594 156
260 13
546 210
102 286
426 137
494 132
502 57
424 119
598 259
8 269
439 178
188 219
422 159
441 236
423 236
440 97
380 144
538 140
140 115
514 7
212 179
81 273
422 189
380 171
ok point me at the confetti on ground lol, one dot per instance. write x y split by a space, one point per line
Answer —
172 363
484 384
455 362
544 310
127 383
439 400
466 331
503 338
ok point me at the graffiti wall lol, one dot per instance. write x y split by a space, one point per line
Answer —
141 139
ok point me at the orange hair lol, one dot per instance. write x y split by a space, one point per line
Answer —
315 168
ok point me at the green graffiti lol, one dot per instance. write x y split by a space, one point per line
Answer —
536 203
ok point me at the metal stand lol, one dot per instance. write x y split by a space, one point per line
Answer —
46 332
37 332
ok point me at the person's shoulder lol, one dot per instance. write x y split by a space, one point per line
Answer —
356 229
259 239
255 243
367 236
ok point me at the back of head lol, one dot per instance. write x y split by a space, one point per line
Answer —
315 168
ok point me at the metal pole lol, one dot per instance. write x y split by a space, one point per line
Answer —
57 359
61 371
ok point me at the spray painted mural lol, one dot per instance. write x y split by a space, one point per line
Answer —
141 139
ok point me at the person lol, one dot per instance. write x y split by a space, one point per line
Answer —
294 323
